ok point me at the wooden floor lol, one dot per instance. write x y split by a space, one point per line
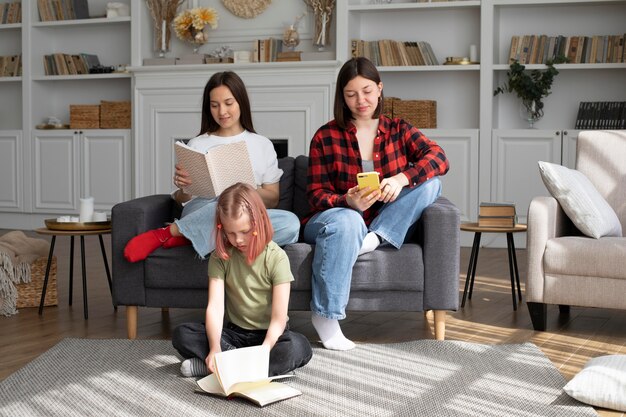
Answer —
487 318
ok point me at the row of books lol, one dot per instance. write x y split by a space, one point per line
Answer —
51 10
266 50
387 52
497 214
11 13
538 49
66 64
11 66
601 115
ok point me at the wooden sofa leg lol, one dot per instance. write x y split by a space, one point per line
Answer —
538 315
440 324
131 321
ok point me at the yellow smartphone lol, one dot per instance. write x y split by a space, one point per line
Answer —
368 179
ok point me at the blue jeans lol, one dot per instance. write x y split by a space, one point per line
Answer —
338 234
198 220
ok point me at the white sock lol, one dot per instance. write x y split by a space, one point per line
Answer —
370 243
193 367
329 331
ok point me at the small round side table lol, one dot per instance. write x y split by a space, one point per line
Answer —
471 270
72 233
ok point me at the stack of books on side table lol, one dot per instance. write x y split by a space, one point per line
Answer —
497 214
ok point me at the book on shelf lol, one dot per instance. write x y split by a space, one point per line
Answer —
601 115
217 169
244 373
538 49
497 221
495 208
11 12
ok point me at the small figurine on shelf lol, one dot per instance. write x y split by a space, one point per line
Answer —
222 54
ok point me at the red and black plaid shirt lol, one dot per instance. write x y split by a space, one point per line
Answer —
334 161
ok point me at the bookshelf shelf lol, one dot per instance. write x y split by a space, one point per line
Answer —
377 8
83 77
429 68
567 67
10 79
10 26
83 22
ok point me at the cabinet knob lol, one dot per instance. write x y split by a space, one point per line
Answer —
565 133
557 133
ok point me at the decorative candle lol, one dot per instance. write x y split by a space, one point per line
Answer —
163 27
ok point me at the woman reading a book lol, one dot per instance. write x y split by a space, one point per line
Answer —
249 284
346 221
226 119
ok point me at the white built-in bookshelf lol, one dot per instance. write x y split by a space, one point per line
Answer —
493 154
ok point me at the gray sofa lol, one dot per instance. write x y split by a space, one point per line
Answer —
423 275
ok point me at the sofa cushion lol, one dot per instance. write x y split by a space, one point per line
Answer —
300 201
384 269
570 256
285 201
580 200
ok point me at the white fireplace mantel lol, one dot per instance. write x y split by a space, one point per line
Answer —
289 101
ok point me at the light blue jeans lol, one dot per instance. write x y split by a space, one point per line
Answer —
338 234
198 220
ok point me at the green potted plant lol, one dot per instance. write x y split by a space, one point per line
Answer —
531 87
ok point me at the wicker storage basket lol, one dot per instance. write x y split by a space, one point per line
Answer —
420 113
388 103
84 116
115 114
29 295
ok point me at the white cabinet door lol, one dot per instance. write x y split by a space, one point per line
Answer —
105 166
568 156
515 174
460 184
55 164
10 170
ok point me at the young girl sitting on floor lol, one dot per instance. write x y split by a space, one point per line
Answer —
249 281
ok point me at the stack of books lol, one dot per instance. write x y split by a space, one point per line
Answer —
496 214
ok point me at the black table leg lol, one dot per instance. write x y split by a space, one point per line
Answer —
519 287
82 256
510 247
106 267
45 281
468 277
71 268
471 288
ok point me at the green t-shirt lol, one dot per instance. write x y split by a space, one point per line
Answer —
248 288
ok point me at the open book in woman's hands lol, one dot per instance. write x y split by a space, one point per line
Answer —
244 372
212 172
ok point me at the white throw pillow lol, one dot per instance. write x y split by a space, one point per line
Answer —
580 200
602 382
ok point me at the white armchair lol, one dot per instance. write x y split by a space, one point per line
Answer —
566 267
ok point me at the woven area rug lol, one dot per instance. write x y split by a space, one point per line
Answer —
81 377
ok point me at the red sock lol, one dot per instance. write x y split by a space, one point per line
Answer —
139 247
176 241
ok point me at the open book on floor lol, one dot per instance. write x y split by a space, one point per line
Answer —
212 172
244 373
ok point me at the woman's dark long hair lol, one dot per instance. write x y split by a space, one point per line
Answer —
238 88
349 71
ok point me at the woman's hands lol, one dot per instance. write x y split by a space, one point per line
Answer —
389 190
181 177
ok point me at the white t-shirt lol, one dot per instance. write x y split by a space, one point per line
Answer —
260 148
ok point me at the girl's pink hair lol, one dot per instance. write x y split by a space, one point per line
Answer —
233 202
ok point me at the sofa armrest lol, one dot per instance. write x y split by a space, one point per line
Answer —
128 219
546 220
439 234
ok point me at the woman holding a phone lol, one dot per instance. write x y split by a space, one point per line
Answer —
346 220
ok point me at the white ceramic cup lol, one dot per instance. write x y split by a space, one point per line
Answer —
86 209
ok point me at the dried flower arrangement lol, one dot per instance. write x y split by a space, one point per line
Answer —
189 25
163 12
